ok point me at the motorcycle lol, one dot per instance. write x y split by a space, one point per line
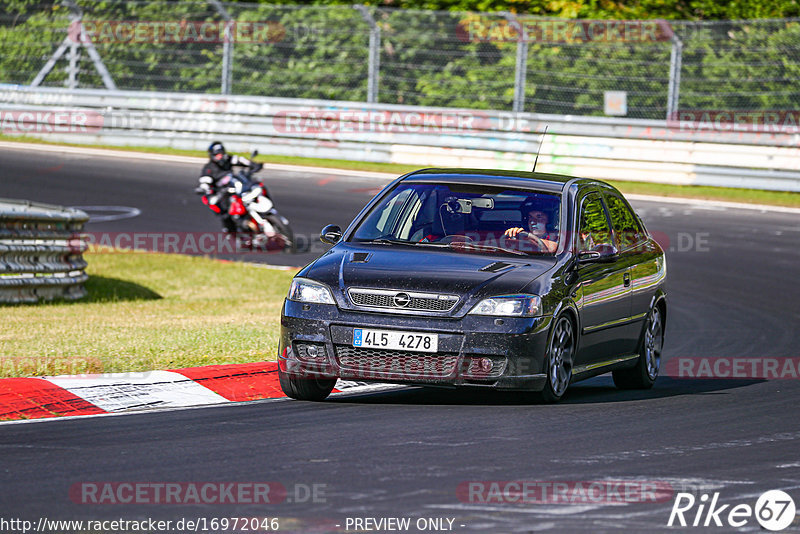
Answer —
258 224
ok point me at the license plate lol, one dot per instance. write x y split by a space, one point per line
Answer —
392 339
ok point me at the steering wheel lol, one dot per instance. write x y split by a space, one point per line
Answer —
533 238
454 238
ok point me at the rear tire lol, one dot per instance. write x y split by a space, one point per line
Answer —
286 232
310 389
559 358
644 374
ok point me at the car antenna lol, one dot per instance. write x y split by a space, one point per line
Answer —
539 149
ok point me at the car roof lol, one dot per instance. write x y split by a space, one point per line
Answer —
507 178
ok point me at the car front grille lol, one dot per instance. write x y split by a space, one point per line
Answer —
402 300
367 363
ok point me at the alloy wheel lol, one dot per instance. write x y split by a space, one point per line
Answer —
560 356
653 343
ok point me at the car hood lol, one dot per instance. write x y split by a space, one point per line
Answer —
469 276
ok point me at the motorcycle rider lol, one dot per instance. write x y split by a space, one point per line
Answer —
215 180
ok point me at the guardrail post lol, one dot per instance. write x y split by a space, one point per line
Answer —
374 61
227 60
227 48
521 67
675 60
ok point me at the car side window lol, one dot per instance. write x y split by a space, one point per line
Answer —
594 228
626 226
387 218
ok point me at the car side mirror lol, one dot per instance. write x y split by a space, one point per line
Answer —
602 253
331 234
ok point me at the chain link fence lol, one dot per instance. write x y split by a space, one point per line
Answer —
496 61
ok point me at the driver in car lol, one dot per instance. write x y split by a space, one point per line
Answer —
537 222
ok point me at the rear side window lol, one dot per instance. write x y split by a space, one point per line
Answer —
594 228
626 226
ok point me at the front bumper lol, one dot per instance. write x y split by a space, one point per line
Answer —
317 342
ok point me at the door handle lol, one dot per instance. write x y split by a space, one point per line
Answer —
626 279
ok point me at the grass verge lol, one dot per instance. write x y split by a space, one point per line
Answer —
730 194
148 311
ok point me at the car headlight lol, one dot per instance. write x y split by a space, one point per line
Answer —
509 306
305 290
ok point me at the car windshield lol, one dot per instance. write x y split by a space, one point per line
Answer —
466 218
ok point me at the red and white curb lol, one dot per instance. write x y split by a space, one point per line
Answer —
73 395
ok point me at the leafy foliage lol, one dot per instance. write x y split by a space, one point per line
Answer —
452 58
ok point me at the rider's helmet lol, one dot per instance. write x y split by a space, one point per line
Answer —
216 152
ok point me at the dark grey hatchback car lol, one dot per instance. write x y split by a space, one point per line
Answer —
465 277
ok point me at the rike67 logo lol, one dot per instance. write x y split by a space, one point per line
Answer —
774 510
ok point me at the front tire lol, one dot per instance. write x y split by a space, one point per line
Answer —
644 374
560 354
310 389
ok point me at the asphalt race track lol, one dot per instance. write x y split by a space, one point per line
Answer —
733 291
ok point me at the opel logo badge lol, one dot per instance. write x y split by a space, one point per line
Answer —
401 300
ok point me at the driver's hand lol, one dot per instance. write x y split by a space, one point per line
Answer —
512 232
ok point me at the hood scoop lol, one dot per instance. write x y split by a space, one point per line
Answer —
360 257
497 267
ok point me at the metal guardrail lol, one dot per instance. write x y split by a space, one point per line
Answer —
595 147
41 252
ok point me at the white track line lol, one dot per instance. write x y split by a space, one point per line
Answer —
352 387
141 412
712 203
348 388
167 158
84 151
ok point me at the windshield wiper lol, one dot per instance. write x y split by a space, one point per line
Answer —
486 248
384 241
453 245
387 241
